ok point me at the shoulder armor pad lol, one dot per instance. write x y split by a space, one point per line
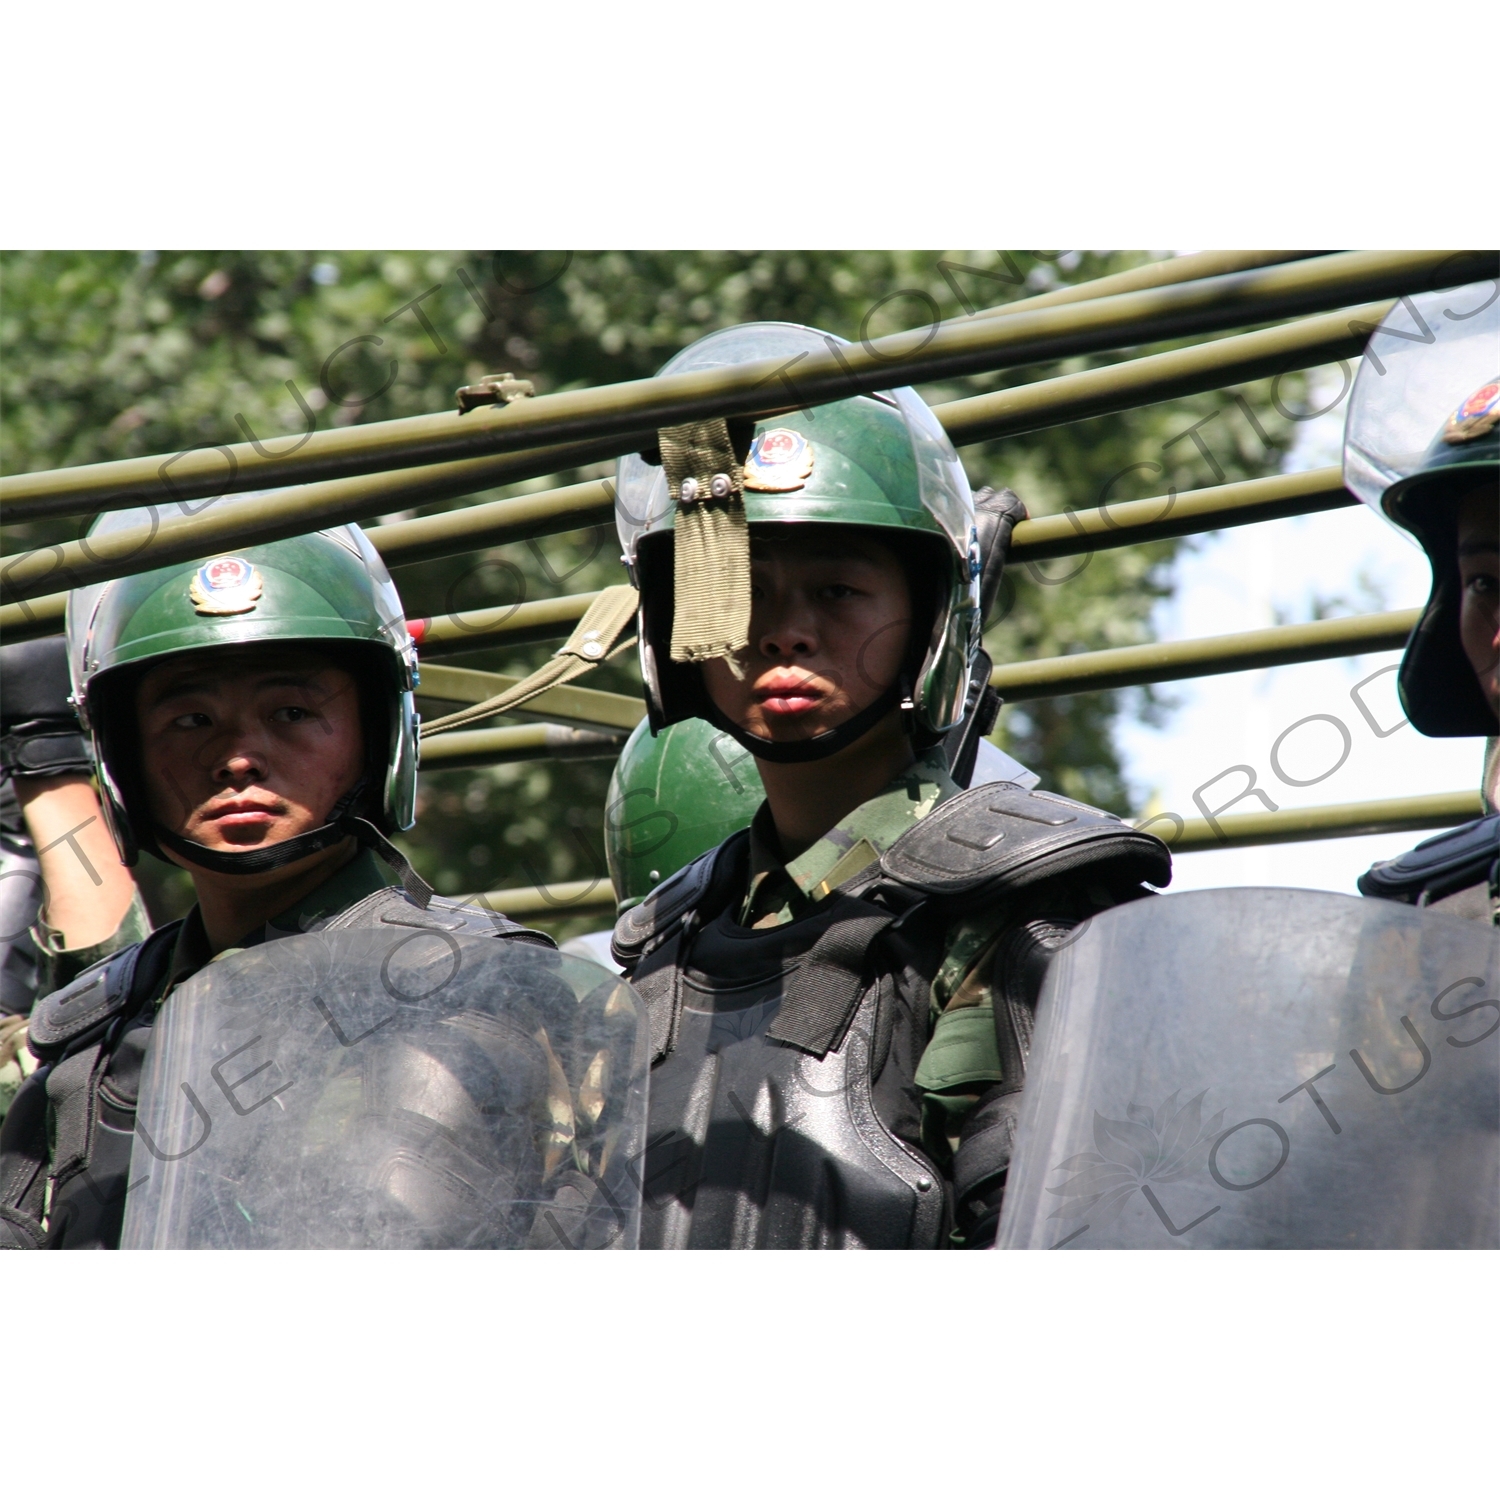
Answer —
471 918
100 992
392 907
665 907
1454 859
1001 837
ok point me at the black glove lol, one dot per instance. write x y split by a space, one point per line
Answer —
996 514
39 733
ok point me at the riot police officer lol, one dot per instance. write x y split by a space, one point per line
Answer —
1422 446
250 718
1331 1074
840 996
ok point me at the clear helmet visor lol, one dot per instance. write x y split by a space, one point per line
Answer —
643 505
1429 356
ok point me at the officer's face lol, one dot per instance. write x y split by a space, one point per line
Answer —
829 618
245 747
1479 568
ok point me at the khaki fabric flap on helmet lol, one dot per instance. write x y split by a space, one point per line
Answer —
711 567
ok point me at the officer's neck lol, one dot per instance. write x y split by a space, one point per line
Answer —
234 906
808 799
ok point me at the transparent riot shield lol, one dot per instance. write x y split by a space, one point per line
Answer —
403 1087
1261 1069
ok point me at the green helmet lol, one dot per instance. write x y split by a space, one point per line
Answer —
672 797
329 589
1431 366
879 461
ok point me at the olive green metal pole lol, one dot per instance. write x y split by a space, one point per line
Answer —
1025 408
942 351
1169 272
567 898
1052 676
1032 540
1171 661
570 508
1131 521
466 748
508 625
237 522
1065 535
439 635
1057 676
1299 824
32 618
1161 377
1047 537
1157 274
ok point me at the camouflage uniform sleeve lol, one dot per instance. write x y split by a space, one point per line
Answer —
962 1058
16 1063
62 966
974 1067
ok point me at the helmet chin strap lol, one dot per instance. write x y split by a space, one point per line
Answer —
342 824
820 746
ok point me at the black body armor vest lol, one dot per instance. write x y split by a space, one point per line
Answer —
783 1113
92 1038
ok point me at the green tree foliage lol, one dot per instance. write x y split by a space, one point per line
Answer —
111 355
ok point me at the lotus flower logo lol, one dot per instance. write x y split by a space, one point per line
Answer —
1160 1146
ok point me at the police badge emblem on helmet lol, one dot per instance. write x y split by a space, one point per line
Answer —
226 586
1476 416
779 460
